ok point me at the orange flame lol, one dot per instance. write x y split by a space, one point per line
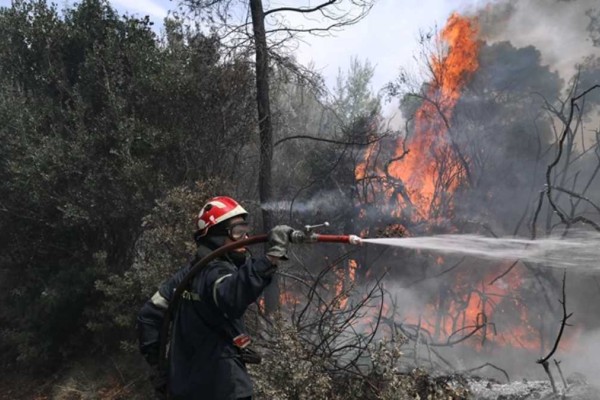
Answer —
344 280
454 314
424 176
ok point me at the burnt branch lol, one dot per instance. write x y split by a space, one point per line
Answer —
560 373
487 364
300 9
504 273
332 141
563 324
578 196
320 31
314 290
448 342
331 334
546 366
567 132
418 339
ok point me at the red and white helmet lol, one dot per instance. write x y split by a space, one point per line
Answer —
218 209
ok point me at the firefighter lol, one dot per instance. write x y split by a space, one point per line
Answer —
208 353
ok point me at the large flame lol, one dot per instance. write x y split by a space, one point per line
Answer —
428 165
431 169
418 186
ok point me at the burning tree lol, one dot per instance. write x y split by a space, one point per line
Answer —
478 135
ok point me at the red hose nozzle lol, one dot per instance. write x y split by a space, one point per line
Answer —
350 239
302 237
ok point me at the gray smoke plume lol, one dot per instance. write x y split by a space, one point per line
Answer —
563 31
323 202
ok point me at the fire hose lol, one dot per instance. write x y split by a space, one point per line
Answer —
297 237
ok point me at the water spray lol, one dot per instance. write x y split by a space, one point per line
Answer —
579 250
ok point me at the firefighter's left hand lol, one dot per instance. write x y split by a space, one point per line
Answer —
279 240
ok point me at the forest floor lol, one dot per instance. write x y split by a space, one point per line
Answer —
578 389
126 379
122 378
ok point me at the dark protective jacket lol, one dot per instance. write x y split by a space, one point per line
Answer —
204 363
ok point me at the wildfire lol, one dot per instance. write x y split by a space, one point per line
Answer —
427 165
470 304
419 184
491 306
432 169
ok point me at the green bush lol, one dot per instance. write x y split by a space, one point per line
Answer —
98 119
165 245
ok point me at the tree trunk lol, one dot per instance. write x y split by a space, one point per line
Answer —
265 127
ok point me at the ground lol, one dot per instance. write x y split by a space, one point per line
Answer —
126 379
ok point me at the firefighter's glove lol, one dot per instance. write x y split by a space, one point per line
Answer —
279 240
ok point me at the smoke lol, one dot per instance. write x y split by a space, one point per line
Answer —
560 30
324 202
530 52
577 352
583 358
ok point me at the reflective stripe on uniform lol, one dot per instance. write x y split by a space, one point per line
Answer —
217 282
187 295
159 301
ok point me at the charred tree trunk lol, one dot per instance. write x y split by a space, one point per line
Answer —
265 127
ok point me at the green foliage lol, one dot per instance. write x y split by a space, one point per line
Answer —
70 183
298 111
165 245
354 98
98 119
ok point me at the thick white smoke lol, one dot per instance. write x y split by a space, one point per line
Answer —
559 29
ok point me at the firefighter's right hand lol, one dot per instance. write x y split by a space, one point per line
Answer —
279 240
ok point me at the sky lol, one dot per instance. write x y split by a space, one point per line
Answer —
387 37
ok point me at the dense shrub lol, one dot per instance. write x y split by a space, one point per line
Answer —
165 245
99 118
